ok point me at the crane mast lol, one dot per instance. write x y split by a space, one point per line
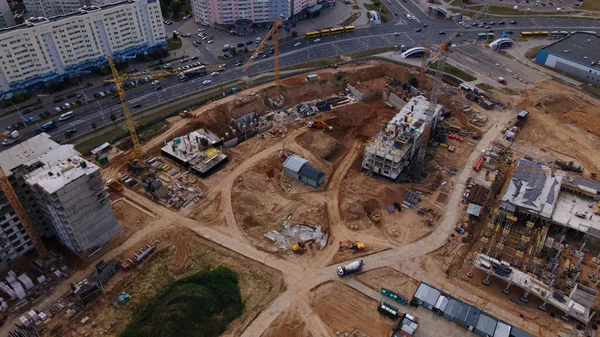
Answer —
16 205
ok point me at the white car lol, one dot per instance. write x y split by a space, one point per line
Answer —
297 44
155 82
67 106
558 9
317 40
57 109
214 73
206 82
210 41
396 34
200 30
408 16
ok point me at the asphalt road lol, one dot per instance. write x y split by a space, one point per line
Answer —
361 39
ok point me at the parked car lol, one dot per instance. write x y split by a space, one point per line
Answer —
297 44
214 73
155 82
442 32
206 82
240 45
137 105
57 99
249 43
210 41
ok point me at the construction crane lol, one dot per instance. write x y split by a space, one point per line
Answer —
159 74
273 32
16 205
137 164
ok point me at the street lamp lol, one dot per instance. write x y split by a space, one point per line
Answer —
101 113
525 12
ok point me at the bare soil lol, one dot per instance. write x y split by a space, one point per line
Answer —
287 324
390 279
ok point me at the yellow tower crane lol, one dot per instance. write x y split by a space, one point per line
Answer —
274 32
16 205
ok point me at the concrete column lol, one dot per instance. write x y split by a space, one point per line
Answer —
524 297
579 262
576 277
507 289
552 282
596 284
542 307
486 281
582 246
470 273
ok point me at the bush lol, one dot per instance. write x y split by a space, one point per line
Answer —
94 125
414 82
340 75
113 117
16 99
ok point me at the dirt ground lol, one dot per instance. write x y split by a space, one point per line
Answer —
288 324
570 117
390 279
344 309
259 285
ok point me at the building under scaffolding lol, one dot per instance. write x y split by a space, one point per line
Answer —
394 147
199 151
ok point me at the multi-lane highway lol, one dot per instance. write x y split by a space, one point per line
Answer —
361 39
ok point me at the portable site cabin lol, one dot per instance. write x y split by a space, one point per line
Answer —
441 304
516 332
502 330
310 176
486 326
451 309
466 316
427 295
297 168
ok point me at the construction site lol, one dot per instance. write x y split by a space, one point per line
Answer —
457 214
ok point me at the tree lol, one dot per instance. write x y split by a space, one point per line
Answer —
175 36
175 8
113 117
94 125
245 50
414 82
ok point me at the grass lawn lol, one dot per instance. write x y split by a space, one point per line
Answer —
456 72
370 52
508 91
532 52
508 11
355 7
381 9
311 64
485 86
174 43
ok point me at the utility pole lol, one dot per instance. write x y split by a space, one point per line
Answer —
20 115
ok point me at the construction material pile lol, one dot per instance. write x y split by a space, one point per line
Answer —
180 196
284 238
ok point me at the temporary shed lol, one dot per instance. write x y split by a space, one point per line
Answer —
441 304
466 316
451 309
292 166
428 295
516 332
311 176
502 330
486 326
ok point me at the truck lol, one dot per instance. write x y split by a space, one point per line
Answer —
502 80
350 268
191 73
11 137
114 185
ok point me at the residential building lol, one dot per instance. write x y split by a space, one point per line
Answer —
577 55
6 16
44 49
62 193
49 8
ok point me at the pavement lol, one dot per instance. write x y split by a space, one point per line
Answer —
362 39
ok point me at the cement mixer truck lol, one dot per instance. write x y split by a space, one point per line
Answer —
352 267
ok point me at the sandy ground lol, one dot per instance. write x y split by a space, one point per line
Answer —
390 279
288 324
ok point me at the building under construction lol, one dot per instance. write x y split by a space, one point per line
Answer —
199 151
62 193
395 146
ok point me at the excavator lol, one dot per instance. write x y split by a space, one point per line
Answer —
375 216
320 125
354 245
300 246
186 114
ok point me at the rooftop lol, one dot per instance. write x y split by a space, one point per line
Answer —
577 212
190 146
25 152
62 165
580 47
533 187
294 163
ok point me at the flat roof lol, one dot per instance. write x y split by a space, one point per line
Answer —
188 147
577 212
533 188
581 47
25 152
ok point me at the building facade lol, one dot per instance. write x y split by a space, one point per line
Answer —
6 16
44 49
62 193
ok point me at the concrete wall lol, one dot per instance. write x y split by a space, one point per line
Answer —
396 101
579 70
354 92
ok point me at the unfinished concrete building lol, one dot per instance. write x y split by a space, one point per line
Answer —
199 151
394 147
62 193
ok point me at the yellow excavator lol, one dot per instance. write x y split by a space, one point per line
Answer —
300 246
354 245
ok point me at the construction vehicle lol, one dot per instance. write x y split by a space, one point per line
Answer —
375 216
273 32
16 205
354 245
122 299
319 125
350 268
300 246
186 114
114 185
11 137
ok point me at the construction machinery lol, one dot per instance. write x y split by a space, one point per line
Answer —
16 205
375 216
300 246
186 114
353 245
114 185
277 101
319 125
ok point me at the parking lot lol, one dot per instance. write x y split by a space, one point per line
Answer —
542 5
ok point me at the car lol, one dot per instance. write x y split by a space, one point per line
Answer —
225 49
486 27
57 99
417 30
158 87
513 22
175 32
226 56
272 51
491 23
558 9
184 60
169 22
167 66
501 22
297 44
249 43
409 17
474 24
137 105
70 133
186 17
67 106
57 109
265 56
214 73
102 94
481 25
240 45
396 34
442 32
155 82
425 25
200 30
37 107
71 95
210 41
206 82
317 40
26 111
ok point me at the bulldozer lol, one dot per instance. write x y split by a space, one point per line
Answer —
186 114
375 216
320 125
354 245
300 246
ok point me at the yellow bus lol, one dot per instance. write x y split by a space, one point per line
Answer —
526 34
311 35
540 33
337 30
324 32
349 29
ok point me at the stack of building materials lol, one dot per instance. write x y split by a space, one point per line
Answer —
293 233
411 199
26 281
511 133
8 290
19 290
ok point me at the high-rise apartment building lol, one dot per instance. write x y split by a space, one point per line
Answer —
49 8
6 16
46 49
62 193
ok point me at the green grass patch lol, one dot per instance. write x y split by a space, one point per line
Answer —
317 63
202 304
458 2
174 43
153 131
485 86
455 72
508 91
90 144
355 7
380 8
369 52
510 12
531 53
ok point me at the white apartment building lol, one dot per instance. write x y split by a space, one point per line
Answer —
226 12
6 16
49 8
45 49
62 193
